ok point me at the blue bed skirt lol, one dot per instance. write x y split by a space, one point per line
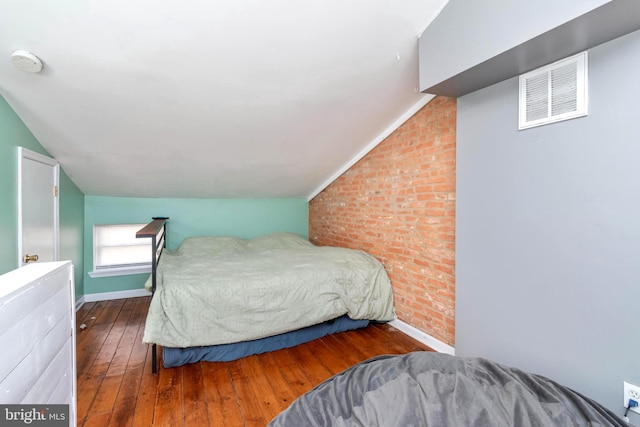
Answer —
173 357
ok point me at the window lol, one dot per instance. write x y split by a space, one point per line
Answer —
117 251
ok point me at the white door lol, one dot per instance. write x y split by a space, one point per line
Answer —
38 177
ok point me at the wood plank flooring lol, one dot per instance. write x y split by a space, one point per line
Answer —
116 386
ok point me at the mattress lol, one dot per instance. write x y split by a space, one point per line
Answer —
173 357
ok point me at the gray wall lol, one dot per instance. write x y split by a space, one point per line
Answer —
469 32
548 232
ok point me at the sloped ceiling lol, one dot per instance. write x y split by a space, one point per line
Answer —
235 98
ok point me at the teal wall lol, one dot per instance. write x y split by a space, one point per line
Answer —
78 213
72 228
13 134
189 217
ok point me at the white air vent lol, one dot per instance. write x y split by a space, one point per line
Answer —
553 93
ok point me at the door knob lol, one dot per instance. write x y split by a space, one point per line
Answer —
28 258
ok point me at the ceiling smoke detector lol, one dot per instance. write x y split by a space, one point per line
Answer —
26 61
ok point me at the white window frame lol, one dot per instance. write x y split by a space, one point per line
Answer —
119 269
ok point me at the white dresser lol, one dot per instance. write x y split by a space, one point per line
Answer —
37 336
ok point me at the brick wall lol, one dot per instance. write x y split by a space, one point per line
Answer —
398 203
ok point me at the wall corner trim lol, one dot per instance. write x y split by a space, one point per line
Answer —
423 337
105 296
79 303
424 100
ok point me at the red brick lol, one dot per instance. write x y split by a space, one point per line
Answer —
398 203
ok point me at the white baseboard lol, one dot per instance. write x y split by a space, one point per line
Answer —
423 337
404 327
80 303
104 296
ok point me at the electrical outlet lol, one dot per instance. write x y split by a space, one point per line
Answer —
631 392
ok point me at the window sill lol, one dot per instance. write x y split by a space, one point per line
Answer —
109 272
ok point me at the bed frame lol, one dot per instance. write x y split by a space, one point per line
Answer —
157 231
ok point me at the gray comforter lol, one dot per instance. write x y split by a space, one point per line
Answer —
432 389
220 290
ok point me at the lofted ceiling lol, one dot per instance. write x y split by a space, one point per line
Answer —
217 99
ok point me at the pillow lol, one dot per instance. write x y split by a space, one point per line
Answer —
277 241
211 245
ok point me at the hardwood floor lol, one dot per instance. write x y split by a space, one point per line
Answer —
116 386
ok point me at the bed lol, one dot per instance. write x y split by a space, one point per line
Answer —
221 298
434 389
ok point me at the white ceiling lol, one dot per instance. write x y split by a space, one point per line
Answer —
241 98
